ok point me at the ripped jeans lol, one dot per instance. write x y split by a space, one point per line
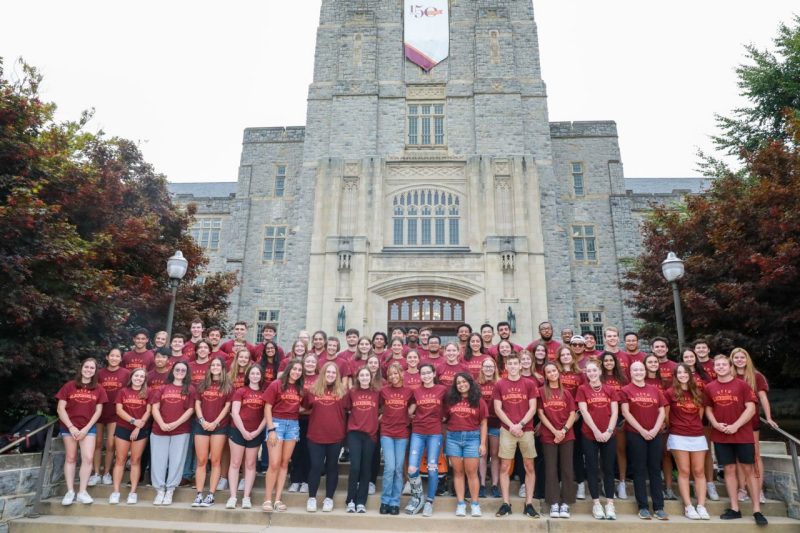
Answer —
432 444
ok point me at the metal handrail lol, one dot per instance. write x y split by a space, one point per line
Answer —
25 437
793 443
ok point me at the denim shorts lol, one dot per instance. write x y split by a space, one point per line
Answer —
65 432
464 444
285 429
493 432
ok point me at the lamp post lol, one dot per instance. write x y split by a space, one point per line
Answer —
673 270
176 269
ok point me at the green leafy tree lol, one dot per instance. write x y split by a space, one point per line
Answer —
86 227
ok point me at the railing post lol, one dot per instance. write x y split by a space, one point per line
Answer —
793 451
42 473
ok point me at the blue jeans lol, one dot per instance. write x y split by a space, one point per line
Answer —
394 453
431 443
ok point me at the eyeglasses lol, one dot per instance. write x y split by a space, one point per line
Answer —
573 344
179 370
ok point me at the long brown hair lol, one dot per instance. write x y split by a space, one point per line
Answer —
225 384
143 391
79 375
749 368
548 392
691 386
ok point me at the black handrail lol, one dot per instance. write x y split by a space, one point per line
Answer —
793 443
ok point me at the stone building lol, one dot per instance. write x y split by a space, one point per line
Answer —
430 198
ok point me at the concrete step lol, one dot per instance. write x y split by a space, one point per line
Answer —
183 497
773 447
101 517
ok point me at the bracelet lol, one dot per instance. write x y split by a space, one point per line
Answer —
270 430
201 420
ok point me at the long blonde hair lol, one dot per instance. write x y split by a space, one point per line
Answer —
320 387
225 385
749 368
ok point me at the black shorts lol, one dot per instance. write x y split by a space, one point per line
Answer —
236 437
125 434
198 430
731 453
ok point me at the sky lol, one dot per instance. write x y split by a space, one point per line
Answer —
185 78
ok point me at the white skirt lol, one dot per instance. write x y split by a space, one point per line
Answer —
682 443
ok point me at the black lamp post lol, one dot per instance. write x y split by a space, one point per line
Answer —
673 270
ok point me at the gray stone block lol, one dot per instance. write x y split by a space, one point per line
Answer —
15 508
27 480
8 482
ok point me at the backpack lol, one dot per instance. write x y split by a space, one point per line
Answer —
27 425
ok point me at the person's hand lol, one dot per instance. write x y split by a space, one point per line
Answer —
599 436
772 423
482 450
272 440
139 423
134 434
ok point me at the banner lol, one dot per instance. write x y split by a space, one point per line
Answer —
426 32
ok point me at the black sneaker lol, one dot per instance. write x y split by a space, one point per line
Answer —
761 520
530 511
394 510
730 514
384 509
504 510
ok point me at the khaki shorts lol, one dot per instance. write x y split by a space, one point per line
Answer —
508 445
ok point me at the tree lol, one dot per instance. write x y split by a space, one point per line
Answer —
741 239
86 226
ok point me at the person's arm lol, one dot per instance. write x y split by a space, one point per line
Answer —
236 417
589 421
183 418
744 418
272 439
764 400
558 434
659 423
412 409
98 410
225 410
198 411
484 432
61 409
158 418
630 419
612 423
498 411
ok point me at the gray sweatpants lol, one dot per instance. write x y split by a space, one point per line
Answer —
167 455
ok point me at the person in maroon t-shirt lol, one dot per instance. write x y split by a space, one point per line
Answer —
571 377
465 441
614 377
546 338
395 433
730 404
666 368
632 350
591 345
80 404
246 433
214 337
504 332
112 378
212 407
703 351
474 355
319 341
362 436
271 361
239 335
196 331
132 409
268 333
643 407
351 338
332 355
140 356
282 410
434 351
158 376
238 367
686 441
699 375
411 377
487 339
557 414
487 380
176 346
360 356
380 343
395 355
446 370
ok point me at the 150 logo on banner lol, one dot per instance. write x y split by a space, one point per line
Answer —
419 11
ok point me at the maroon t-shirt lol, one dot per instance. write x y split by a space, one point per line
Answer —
344 366
197 371
761 386
212 402
515 397
133 360
285 403
327 423
189 351
643 403
112 382
493 351
475 364
487 392
685 418
81 403
728 401
172 403
227 347
428 360
552 348
428 414
708 366
412 381
364 405
446 373
657 382
666 369
624 362
133 404
598 403
395 420
613 382
251 408
386 363
637 357
259 353
557 410
462 416
156 380
571 381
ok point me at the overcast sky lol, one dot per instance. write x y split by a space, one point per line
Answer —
185 78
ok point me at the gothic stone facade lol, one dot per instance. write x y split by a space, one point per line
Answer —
425 197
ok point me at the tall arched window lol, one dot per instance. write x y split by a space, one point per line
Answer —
426 217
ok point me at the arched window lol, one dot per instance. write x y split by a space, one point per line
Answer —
426 217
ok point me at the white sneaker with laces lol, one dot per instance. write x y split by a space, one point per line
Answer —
107 479
427 510
168 497
231 503
475 510
371 489
522 491
702 512
327 505
742 495
351 507
247 503
241 484
94 479
311 505
554 511
597 511
68 498
563 512
159 499
83 497
133 499
691 513
303 488
113 498
711 491
222 484
580 493
361 508
611 512
762 498
294 487
621 493
461 509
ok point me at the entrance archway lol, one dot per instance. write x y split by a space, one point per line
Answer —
441 314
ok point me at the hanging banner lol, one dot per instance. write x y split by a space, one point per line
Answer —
426 32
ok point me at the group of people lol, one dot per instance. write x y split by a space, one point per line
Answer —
560 415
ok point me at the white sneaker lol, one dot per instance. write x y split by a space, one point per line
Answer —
159 499
554 512
522 491
581 492
83 497
351 507
762 498
294 487
621 493
702 512
361 508
742 495
327 505
711 490
94 479
427 510
133 499
247 503
113 498
407 489
461 509
311 505
304 488
241 484
475 510
222 484
690 513
68 498
564 511
597 511
168 497
107 479
371 489
611 512
231 503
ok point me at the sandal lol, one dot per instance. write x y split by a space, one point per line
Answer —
267 507
280 506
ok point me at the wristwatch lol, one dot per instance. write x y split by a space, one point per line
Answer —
270 430
133 421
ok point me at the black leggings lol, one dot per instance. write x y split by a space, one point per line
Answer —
323 456
608 454
361 450
644 457
578 466
300 465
